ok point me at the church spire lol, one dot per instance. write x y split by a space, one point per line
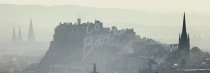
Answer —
184 25
13 35
19 35
184 45
31 36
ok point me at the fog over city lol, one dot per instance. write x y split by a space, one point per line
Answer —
112 36
160 26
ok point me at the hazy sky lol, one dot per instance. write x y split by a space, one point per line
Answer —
198 14
163 5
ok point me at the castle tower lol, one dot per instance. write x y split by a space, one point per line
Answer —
19 35
31 36
14 35
184 45
94 69
78 21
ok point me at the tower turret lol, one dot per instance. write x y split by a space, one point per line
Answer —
78 21
94 69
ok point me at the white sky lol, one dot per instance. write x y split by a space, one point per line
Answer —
163 5
195 6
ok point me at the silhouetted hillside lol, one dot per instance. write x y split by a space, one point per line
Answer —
75 46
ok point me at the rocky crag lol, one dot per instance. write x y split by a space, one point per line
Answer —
76 46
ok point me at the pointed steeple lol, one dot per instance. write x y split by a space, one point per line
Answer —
19 35
31 36
184 25
13 35
184 45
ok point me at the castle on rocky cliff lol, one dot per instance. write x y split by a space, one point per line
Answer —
85 42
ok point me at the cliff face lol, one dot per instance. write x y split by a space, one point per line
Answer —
75 47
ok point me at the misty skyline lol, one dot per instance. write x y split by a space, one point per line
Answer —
148 5
117 36
163 27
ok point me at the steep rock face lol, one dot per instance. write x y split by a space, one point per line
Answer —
75 47
84 43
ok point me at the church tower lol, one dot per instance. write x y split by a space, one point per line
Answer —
31 36
184 45
94 69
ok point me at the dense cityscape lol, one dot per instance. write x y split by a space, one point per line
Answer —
81 46
76 46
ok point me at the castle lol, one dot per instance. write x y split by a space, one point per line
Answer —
74 43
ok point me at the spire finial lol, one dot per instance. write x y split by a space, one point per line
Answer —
184 25
30 21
